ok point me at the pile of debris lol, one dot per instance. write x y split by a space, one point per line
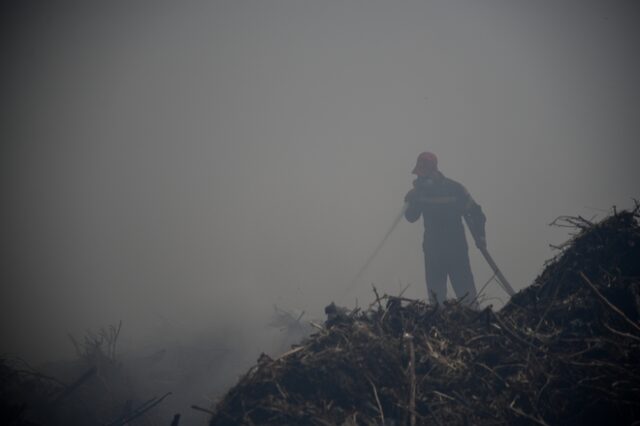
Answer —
563 351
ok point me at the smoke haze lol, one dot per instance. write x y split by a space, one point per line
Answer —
194 163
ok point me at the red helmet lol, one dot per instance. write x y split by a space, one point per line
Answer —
427 163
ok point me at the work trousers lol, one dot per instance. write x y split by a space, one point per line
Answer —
457 269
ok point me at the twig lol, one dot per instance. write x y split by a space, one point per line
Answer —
316 325
539 394
404 290
375 291
375 394
609 304
620 333
528 416
412 370
289 352
494 373
204 410
475 299
444 395
140 410
282 392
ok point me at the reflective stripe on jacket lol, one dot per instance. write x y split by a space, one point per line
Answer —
442 203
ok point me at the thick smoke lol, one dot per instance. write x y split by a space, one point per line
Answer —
194 164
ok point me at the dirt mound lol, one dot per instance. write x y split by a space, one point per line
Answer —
563 351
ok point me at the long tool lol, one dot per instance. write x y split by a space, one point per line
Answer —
375 252
501 278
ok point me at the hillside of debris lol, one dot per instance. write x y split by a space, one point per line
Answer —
563 351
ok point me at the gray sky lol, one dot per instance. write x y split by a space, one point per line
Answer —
200 161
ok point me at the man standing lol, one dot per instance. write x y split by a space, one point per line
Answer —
443 203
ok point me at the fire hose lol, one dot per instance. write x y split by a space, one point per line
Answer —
501 279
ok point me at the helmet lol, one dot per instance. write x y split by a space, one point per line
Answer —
427 162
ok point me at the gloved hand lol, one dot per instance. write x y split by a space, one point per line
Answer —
481 242
411 196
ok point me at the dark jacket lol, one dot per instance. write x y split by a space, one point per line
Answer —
442 203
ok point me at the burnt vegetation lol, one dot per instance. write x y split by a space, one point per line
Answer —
563 351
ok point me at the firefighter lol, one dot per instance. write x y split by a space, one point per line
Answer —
442 203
